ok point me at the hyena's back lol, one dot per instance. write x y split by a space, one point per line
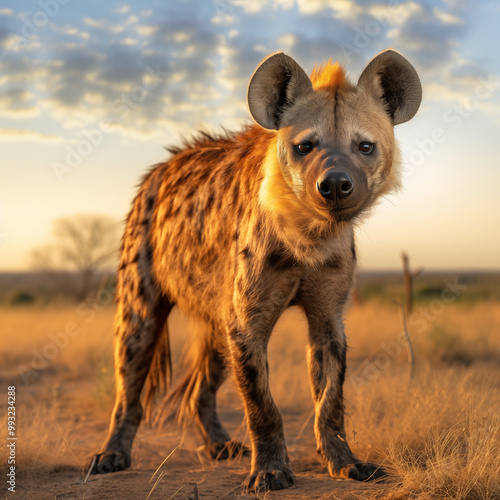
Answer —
205 200
193 210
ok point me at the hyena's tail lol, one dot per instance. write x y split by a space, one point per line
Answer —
160 373
182 402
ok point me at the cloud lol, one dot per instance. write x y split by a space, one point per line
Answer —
123 9
342 9
18 103
103 25
145 30
447 17
428 34
70 31
10 135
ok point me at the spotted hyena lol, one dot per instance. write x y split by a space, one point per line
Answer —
236 228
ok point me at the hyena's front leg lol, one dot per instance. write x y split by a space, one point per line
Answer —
256 314
326 358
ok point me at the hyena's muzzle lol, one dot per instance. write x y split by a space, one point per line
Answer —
342 187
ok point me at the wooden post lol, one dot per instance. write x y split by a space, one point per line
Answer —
408 278
409 346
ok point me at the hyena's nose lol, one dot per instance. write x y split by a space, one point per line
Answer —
335 185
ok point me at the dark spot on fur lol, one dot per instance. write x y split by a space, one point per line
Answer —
201 226
203 175
129 353
118 414
336 351
139 205
149 253
141 289
209 202
248 378
333 262
318 355
150 203
244 353
247 253
240 211
280 261
236 192
353 250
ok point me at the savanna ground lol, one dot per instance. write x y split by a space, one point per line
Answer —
439 437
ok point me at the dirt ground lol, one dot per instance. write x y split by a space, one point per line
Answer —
81 433
439 438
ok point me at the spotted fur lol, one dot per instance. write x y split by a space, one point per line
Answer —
232 230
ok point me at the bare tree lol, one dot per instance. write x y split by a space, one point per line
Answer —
83 245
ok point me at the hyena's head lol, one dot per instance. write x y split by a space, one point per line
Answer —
334 152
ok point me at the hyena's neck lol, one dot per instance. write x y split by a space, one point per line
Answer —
309 239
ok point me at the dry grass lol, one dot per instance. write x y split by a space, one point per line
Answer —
440 437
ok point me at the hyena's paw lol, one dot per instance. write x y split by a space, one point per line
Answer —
228 450
264 481
104 463
360 471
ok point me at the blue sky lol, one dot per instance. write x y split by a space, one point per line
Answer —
90 92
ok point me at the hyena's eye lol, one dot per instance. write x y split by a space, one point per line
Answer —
366 147
304 147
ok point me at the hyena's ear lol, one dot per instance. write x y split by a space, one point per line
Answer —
390 77
276 85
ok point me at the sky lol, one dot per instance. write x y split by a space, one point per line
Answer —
91 92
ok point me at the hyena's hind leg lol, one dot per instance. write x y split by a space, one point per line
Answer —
141 348
195 399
